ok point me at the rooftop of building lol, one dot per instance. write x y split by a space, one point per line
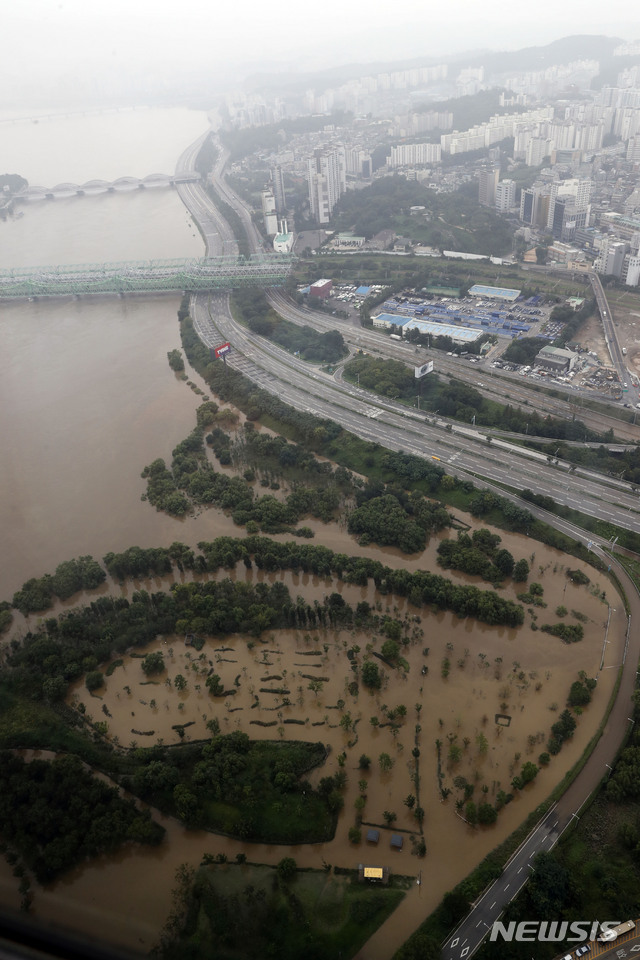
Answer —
497 293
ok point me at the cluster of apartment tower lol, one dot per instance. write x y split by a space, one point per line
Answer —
567 138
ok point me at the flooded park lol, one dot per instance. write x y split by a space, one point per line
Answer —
477 701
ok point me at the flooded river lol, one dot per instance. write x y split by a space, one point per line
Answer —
87 400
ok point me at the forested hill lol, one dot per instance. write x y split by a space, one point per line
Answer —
13 181
456 221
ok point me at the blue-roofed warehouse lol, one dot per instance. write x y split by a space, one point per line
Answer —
493 293
444 329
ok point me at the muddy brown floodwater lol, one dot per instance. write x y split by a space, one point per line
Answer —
522 674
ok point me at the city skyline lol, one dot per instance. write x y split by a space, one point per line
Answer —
70 46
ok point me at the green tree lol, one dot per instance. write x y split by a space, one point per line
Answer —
54 688
504 562
371 675
579 694
287 869
390 650
521 571
175 360
487 814
94 680
386 762
153 663
214 685
186 804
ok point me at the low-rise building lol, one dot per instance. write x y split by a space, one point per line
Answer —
556 360
321 289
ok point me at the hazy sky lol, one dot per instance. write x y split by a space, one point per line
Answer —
86 42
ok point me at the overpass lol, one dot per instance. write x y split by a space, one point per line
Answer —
146 276
93 187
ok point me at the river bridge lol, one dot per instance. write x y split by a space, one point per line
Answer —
93 187
146 276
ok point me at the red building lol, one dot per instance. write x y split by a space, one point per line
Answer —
321 288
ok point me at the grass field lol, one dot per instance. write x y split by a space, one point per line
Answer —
239 911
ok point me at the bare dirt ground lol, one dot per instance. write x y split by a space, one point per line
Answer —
592 338
625 307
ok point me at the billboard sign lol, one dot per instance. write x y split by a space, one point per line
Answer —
423 370
221 350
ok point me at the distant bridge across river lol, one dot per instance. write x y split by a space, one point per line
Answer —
93 187
146 276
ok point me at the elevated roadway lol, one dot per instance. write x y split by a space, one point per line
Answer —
471 455
461 451
611 337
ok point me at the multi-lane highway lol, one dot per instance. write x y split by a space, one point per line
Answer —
505 386
461 451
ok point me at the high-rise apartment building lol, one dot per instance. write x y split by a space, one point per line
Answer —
414 155
631 271
327 180
505 196
358 162
488 181
534 205
536 150
269 214
277 185
569 207
633 149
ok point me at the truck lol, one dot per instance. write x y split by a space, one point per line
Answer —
624 351
612 933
